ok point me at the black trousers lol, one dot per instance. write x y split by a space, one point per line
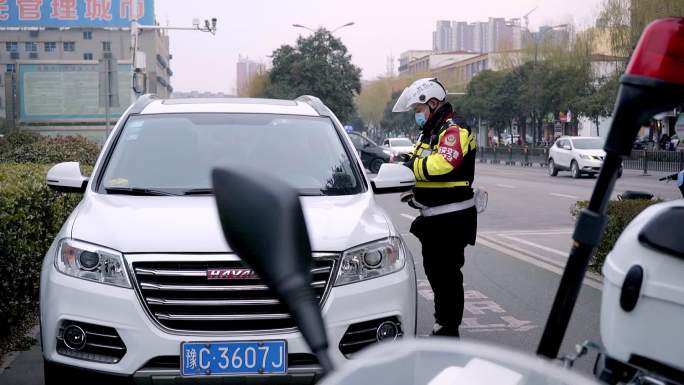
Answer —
443 258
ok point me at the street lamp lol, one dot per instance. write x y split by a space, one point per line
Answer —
333 31
209 26
303 26
342 26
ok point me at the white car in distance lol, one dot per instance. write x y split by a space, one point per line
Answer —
577 154
395 147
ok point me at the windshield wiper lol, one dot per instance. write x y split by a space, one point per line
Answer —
199 191
137 191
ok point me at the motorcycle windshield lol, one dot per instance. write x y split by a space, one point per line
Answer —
436 362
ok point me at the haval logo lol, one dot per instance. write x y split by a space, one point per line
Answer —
230 274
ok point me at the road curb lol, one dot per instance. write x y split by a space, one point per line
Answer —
10 357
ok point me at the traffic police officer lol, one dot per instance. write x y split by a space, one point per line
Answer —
443 162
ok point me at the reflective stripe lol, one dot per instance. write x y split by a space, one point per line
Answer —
423 184
448 208
416 171
465 142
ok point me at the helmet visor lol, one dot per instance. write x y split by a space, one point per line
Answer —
404 104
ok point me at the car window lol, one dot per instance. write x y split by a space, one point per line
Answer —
176 153
588 143
402 142
357 140
559 143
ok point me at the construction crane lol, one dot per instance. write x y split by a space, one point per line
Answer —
527 19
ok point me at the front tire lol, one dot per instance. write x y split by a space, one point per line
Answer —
375 165
574 170
553 171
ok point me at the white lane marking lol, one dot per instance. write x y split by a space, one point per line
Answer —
564 195
425 290
536 261
538 246
410 217
528 232
484 311
505 185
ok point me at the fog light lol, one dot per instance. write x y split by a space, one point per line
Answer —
387 330
74 337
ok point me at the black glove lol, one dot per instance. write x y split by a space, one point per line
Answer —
403 158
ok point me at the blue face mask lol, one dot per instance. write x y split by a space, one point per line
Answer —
420 119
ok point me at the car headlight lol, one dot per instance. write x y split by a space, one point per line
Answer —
371 260
585 157
91 262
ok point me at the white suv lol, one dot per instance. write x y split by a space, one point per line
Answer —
140 283
577 154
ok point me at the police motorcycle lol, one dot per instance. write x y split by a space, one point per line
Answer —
642 311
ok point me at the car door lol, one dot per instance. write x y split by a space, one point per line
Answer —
361 145
564 155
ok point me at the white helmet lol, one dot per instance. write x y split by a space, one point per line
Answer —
420 92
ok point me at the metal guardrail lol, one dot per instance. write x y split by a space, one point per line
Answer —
658 161
526 157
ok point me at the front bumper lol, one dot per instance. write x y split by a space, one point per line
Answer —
65 298
590 165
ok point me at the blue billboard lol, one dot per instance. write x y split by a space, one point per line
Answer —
74 13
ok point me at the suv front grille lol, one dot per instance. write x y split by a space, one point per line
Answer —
181 297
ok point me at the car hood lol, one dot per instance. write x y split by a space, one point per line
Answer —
141 224
593 152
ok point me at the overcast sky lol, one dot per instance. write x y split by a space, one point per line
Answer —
255 28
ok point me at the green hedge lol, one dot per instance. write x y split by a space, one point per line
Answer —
30 216
27 147
620 214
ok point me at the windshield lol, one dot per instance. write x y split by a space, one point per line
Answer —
176 153
403 142
588 143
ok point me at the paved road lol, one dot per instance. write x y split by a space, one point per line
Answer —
511 275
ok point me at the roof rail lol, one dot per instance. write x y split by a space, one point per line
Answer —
142 102
316 104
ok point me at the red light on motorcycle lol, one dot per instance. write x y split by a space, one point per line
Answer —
660 52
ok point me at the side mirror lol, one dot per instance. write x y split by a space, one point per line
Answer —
366 144
263 223
393 178
566 147
67 177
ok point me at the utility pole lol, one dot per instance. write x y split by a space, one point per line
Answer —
134 48
136 28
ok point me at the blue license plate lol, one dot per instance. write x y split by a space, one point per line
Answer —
233 358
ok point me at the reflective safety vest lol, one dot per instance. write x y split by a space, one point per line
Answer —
444 165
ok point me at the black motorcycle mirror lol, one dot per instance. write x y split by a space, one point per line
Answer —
652 83
263 222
